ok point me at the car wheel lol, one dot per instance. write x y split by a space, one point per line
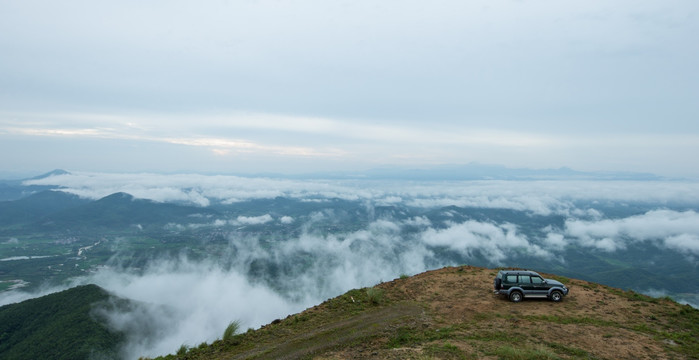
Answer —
556 296
515 296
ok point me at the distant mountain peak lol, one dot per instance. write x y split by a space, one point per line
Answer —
55 172
118 196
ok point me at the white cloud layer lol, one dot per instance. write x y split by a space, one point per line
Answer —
665 228
254 220
185 302
539 197
493 241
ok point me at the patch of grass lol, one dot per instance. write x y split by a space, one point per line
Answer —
375 295
488 336
590 286
685 331
482 316
634 296
569 350
230 331
446 350
300 318
407 336
404 276
351 302
508 352
573 320
562 279
644 328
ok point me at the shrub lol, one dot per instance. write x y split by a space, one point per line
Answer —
182 350
231 330
374 295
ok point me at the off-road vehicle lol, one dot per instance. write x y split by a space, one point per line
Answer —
521 284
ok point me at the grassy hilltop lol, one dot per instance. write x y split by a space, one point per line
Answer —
451 313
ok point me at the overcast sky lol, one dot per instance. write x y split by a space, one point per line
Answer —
300 86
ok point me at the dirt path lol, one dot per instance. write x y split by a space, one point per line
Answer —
326 337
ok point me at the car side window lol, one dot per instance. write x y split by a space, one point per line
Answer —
524 279
511 278
537 280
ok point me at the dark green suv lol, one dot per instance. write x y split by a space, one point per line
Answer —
521 284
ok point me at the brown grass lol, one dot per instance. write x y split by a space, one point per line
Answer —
451 313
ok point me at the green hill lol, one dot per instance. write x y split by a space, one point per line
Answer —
452 313
33 207
120 210
57 326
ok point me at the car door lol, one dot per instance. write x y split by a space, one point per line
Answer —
526 285
509 281
538 286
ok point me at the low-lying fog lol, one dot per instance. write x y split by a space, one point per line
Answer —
187 301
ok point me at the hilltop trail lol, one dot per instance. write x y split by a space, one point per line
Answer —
451 313
328 336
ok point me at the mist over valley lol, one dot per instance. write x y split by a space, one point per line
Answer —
196 252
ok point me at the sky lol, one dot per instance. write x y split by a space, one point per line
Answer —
306 86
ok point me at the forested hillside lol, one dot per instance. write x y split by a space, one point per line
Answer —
62 325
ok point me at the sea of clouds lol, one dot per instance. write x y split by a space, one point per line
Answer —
182 301
540 197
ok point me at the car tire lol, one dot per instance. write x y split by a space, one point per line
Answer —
556 296
498 283
516 296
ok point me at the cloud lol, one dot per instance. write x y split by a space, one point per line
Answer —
669 229
555 241
248 135
184 130
683 243
688 299
254 220
421 221
538 197
390 83
286 220
181 302
180 131
11 297
494 242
